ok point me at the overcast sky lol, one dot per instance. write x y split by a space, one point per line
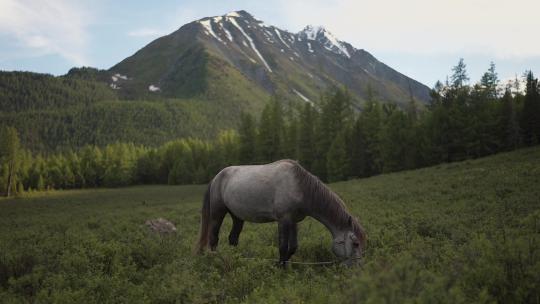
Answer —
420 38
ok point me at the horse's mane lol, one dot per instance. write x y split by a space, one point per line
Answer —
325 201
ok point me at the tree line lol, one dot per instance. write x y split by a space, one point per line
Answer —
327 137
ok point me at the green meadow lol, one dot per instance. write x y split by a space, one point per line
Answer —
455 233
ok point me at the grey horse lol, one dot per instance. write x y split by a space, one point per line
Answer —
282 191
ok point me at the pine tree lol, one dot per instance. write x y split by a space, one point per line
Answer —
459 77
490 82
337 160
10 157
370 121
335 117
270 137
358 154
508 123
530 117
394 142
290 143
247 136
306 136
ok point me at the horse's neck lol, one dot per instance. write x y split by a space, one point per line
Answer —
328 222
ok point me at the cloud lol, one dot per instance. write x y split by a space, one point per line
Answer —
146 32
499 27
40 28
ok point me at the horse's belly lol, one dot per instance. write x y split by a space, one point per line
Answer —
250 205
255 216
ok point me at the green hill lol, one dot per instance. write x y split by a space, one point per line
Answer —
454 233
78 109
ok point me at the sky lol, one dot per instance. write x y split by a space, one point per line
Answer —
422 39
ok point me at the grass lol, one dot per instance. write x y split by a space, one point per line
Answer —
455 233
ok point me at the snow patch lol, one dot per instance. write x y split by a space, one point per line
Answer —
232 14
114 86
296 54
282 50
517 85
309 47
244 43
114 78
153 88
233 21
208 29
279 36
120 76
227 33
329 41
302 96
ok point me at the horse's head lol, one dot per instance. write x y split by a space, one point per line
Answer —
350 242
347 246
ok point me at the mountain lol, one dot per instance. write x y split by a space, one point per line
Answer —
237 56
193 82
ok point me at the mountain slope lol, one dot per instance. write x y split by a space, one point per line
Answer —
297 66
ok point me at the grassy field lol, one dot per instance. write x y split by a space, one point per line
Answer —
455 233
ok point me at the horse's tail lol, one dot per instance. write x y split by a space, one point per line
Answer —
205 222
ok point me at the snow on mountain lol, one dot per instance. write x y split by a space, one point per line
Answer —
327 39
250 40
273 59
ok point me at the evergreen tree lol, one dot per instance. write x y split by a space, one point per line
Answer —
508 125
530 117
247 137
335 117
490 82
9 158
394 140
459 77
358 151
270 137
306 136
337 160
290 143
370 122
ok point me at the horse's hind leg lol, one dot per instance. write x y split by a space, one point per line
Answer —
216 219
238 224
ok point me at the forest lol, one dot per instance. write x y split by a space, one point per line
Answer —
328 138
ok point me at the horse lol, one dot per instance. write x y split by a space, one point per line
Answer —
284 192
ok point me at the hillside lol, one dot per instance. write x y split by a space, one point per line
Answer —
454 233
295 66
80 108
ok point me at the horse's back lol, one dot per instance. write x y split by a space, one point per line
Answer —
260 193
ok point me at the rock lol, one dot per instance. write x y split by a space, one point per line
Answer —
161 226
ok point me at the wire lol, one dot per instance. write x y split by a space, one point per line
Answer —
303 263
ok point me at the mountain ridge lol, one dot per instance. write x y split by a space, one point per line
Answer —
297 66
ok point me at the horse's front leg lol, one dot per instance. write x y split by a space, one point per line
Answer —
293 240
284 227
